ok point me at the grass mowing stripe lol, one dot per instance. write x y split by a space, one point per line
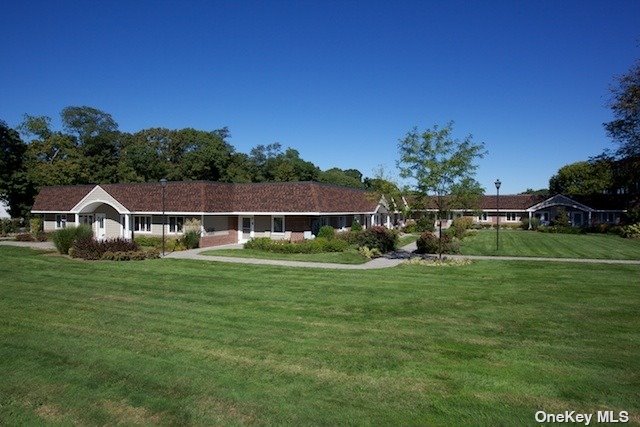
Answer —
207 343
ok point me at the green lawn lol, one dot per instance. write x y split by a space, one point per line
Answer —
406 239
196 342
349 257
537 244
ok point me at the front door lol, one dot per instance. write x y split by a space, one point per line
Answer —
101 229
245 229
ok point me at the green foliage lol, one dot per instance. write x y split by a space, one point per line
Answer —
356 226
35 225
326 232
441 165
463 223
631 231
317 245
369 253
8 226
345 178
624 129
561 219
561 229
582 178
15 188
425 223
428 243
378 237
529 224
171 244
191 239
65 238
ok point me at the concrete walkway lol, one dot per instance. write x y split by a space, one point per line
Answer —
47 246
389 260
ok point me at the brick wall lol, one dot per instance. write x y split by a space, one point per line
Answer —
232 237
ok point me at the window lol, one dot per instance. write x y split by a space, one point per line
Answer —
342 222
175 224
142 224
512 216
277 224
482 216
61 220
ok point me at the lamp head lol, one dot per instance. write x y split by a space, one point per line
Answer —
163 182
498 184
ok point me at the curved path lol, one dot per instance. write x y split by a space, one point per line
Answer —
390 260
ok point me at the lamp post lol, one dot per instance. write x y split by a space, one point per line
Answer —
163 183
498 183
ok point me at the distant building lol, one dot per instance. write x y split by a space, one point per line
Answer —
4 210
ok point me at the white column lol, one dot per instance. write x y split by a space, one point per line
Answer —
529 220
589 223
127 226
373 220
77 220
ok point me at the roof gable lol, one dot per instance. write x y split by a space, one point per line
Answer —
559 200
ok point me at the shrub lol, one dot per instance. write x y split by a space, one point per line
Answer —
326 232
87 248
24 237
428 243
426 223
631 231
6 226
41 236
561 219
130 255
150 241
64 238
530 224
463 223
191 239
378 237
317 245
35 225
193 224
369 253
356 226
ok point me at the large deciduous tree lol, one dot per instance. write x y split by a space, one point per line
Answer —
582 178
440 165
15 188
624 129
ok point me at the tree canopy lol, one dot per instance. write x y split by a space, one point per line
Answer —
90 149
582 178
624 129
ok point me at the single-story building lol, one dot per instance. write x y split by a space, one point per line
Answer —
581 210
227 213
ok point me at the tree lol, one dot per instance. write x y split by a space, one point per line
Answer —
625 105
582 178
541 191
97 136
346 178
15 188
439 165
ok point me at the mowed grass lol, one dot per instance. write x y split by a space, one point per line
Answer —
349 257
537 244
196 342
407 238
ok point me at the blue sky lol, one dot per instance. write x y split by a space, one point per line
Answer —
340 82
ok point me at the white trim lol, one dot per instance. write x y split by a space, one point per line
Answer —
168 224
251 229
150 223
85 201
559 200
63 221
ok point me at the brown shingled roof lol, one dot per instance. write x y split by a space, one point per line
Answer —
60 198
204 196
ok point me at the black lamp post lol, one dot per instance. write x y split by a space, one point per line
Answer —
498 183
163 182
